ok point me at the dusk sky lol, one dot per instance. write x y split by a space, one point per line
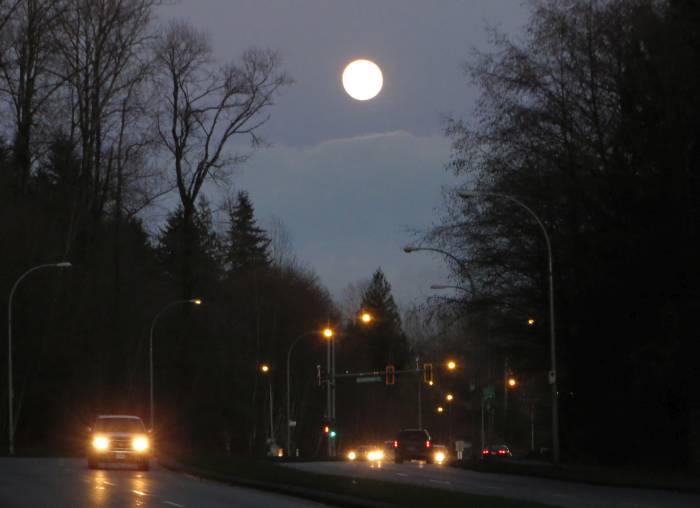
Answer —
351 179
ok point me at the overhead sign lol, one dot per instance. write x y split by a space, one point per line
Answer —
489 392
369 379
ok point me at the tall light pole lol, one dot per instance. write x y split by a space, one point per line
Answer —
195 301
10 394
265 369
289 356
328 334
552 332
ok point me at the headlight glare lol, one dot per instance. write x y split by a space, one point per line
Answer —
439 457
140 444
100 443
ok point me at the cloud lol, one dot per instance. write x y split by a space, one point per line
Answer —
351 203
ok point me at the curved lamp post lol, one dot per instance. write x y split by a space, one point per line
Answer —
289 356
195 301
10 415
552 332
409 249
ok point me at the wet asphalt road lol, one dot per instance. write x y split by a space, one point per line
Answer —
57 483
551 492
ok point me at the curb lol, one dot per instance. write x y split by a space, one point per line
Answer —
277 488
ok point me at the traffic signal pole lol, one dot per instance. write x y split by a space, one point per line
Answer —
328 391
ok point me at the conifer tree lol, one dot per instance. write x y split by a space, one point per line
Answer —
248 246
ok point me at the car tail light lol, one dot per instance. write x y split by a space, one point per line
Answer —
396 444
485 452
427 444
501 452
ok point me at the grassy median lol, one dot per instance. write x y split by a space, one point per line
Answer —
241 470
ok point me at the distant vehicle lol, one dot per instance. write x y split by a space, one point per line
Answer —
440 454
119 438
495 452
413 444
365 452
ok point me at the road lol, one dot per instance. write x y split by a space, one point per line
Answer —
37 483
552 492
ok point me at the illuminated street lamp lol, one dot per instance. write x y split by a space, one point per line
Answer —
552 329
366 317
451 365
440 409
10 394
512 382
265 370
449 397
530 322
194 301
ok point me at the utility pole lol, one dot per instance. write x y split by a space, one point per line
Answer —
420 395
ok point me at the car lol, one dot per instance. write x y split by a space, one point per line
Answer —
119 438
366 452
413 444
440 454
492 452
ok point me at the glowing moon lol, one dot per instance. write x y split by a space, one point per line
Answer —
362 79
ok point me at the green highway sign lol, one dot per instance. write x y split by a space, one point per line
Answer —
369 379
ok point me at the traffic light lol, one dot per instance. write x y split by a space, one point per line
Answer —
390 375
332 434
326 429
428 373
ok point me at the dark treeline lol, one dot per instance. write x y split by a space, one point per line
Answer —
103 112
591 119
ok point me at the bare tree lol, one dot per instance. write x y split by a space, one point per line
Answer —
28 78
204 106
103 45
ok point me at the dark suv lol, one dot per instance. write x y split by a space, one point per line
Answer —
413 444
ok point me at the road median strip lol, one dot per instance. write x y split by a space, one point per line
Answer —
344 491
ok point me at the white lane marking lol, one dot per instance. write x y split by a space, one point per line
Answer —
170 503
443 482
109 483
401 474
140 492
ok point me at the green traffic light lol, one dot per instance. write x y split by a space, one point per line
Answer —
332 434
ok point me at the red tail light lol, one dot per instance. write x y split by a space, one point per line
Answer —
396 444
427 444
485 452
501 452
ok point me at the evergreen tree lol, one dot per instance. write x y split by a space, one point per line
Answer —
385 338
248 246
207 252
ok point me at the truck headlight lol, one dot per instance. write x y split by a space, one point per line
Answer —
100 443
140 444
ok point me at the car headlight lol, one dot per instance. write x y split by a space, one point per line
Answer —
100 443
375 455
439 457
352 455
140 444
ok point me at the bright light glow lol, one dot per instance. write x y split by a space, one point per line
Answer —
100 443
362 80
512 382
140 444
328 333
439 457
366 317
352 455
265 368
375 455
197 301
449 397
430 383
440 409
451 365
530 322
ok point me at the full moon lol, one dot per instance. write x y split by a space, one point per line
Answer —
362 79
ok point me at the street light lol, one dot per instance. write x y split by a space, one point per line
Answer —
10 394
552 332
408 249
265 370
440 409
328 333
366 317
451 365
195 301
449 397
